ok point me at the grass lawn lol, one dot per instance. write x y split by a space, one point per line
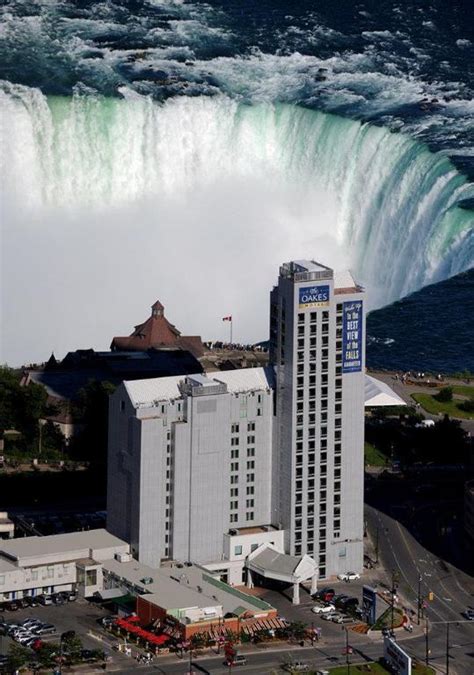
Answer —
463 390
431 405
385 619
375 668
373 457
378 669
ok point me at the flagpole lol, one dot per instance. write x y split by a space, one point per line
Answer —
231 329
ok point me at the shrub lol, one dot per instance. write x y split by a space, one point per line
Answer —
445 395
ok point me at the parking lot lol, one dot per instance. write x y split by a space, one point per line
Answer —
79 616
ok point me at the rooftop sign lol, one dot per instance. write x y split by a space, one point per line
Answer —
314 296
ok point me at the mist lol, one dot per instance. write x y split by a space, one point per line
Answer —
75 278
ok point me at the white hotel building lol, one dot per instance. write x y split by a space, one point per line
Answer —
255 472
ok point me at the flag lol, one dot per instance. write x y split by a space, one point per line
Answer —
226 318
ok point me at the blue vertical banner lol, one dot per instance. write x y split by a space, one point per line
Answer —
369 604
352 323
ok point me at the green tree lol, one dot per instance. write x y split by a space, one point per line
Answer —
92 411
52 438
467 406
72 647
297 630
18 656
48 654
444 395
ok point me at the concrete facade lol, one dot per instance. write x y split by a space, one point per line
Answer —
184 468
319 434
43 565
195 460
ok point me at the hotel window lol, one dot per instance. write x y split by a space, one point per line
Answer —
235 428
234 466
297 550
250 477
250 452
250 439
234 441
233 517
301 318
250 490
249 516
251 426
300 330
234 506
237 550
313 316
234 454
250 503
300 368
234 492
250 465
234 480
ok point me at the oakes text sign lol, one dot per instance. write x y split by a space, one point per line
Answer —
314 296
352 337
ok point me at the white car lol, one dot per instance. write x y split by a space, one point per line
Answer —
323 609
328 616
348 576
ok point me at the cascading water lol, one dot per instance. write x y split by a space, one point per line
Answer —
386 199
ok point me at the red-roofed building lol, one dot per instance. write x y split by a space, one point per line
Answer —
158 333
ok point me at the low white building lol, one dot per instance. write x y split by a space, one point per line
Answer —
31 566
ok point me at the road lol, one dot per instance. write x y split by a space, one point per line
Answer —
453 591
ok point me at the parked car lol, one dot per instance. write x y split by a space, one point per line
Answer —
107 621
45 629
328 616
58 599
239 660
297 667
28 623
322 609
12 606
45 599
348 576
325 594
469 614
69 596
349 604
31 601
339 600
336 617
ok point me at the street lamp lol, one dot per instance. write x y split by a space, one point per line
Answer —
447 648
394 588
420 578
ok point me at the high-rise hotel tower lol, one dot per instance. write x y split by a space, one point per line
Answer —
317 347
234 469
